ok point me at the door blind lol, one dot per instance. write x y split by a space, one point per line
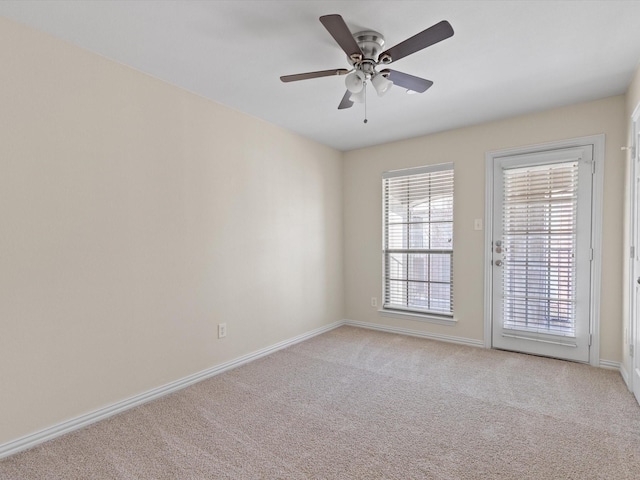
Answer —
539 240
418 240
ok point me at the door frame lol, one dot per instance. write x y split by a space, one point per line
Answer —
633 322
598 142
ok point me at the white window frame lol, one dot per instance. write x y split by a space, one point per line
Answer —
409 313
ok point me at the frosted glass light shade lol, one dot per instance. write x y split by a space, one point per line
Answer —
354 82
358 97
381 84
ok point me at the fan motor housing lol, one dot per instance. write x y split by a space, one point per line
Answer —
371 43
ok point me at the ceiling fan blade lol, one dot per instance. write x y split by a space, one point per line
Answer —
346 101
341 34
434 34
407 81
306 76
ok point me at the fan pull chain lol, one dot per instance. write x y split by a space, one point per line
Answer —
364 86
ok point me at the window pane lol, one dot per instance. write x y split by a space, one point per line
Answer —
419 235
440 267
420 212
397 236
441 209
540 231
397 292
440 295
397 265
442 236
418 295
418 266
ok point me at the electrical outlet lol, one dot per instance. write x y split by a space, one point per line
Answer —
222 330
374 302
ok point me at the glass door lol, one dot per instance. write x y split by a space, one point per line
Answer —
542 253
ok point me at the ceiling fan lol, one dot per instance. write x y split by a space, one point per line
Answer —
364 53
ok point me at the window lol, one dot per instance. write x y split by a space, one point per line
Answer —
418 240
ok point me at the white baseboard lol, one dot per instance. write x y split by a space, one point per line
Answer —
619 366
610 364
416 333
82 421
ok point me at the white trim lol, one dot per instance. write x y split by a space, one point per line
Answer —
415 333
631 284
405 172
31 440
611 365
420 317
633 228
488 251
626 377
597 203
598 142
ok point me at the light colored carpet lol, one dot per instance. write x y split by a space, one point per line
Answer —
359 404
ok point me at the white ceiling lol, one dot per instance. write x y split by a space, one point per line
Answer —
505 58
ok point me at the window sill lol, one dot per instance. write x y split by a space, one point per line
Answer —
421 317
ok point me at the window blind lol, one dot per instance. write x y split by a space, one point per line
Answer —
539 237
418 239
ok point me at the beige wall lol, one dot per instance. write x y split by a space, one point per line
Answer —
134 217
466 148
632 101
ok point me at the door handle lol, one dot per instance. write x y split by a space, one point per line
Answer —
499 264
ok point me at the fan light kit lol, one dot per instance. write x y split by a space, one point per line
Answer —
364 53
